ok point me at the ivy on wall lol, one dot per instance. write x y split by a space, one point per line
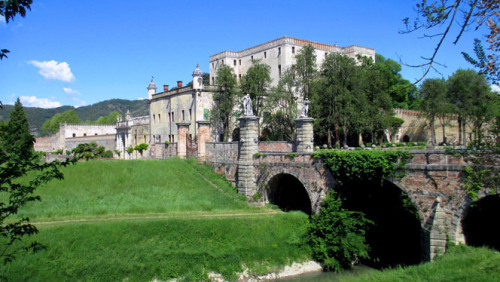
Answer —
348 166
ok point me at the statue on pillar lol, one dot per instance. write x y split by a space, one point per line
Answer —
247 106
305 109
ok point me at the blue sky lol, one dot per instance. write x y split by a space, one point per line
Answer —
83 52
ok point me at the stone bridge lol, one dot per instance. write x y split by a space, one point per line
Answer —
287 175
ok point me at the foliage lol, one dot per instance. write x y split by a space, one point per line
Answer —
348 166
472 100
88 151
460 263
21 172
51 126
437 15
167 143
118 152
107 154
337 236
281 110
224 100
256 82
401 91
130 150
305 70
435 104
141 148
109 119
481 63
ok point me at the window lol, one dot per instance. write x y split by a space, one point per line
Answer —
221 137
169 118
95 133
239 77
144 138
279 70
265 55
234 62
293 49
159 138
153 118
173 119
190 116
182 114
213 81
222 62
74 134
154 137
191 137
279 51
84 134
239 61
251 58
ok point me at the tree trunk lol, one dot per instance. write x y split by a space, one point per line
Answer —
464 132
433 132
459 121
329 137
444 133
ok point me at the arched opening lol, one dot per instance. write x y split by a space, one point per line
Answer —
395 236
235 136
288 193
480 220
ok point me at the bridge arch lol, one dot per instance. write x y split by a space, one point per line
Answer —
474 220
288 193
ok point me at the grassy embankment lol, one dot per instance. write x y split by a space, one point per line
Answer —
113 220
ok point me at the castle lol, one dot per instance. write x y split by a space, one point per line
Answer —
186 109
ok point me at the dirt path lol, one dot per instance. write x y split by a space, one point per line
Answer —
152 216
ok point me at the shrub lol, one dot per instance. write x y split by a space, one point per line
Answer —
108 154
337 236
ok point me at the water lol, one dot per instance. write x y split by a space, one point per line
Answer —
329 276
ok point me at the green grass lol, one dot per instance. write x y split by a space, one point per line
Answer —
460 263
140 220
113 188
163 248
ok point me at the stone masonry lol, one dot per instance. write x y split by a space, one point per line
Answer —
247 149
305 137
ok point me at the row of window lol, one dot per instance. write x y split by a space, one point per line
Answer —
84 134
171 116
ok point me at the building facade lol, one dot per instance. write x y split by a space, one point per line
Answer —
279 54
130 132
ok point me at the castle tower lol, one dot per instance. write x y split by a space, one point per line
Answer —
151 89
197 78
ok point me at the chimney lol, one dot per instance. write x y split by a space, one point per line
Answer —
165 88
179 85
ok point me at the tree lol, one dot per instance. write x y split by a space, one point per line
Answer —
281 109
88 151
305 69
337 235
333 105
109 119
141 148
19 161
470 95
9 9
224 100
435 104
51 126
481 62
438 14
256 82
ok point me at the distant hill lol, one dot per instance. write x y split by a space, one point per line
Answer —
37 116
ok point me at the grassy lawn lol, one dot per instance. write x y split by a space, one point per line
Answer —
460 263
117 188
140 220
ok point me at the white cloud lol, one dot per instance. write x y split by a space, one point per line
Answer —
495 88
54 70
2 21
70 91
33 101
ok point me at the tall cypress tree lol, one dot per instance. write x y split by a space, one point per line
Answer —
16 137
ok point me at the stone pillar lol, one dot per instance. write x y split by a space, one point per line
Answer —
203 135
305 137
439 231
182 132
248 147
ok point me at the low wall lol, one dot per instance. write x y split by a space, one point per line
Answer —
47 144
160 151
108 141
223 157
277 146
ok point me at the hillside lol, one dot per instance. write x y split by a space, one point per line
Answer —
122 220
37 116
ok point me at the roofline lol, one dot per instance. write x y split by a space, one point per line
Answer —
292 40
